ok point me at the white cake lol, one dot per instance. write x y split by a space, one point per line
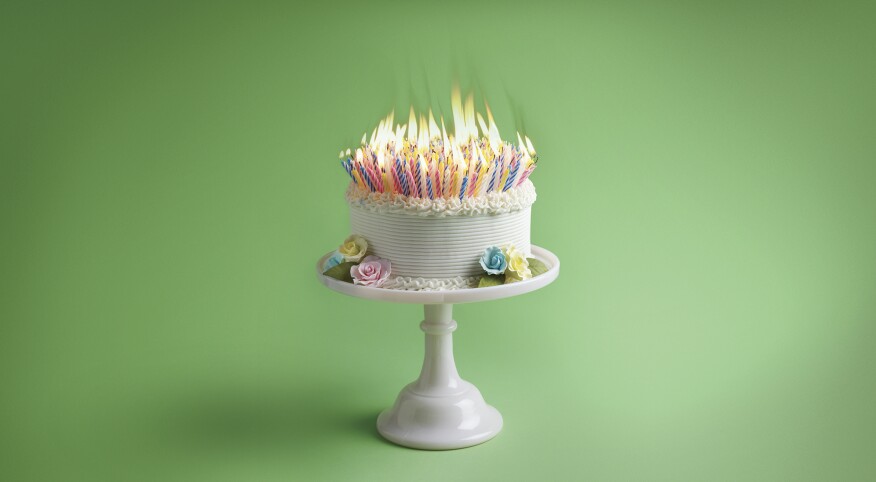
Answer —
436 211
438 243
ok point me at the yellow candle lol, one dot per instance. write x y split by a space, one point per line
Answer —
481 181
358 179
422 179
502 181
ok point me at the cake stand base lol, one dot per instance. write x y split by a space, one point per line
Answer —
439 411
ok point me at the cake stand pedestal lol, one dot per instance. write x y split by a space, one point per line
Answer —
440 410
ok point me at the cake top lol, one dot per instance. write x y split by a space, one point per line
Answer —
512 200
422 161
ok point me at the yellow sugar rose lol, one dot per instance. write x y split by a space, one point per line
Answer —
518 266
354 248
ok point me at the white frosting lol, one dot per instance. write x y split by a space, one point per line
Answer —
438 247
512 200
408 283
437 244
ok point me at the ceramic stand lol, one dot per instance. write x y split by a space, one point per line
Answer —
439 410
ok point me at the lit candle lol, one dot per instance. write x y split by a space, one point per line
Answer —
504 172
422 175
397 183
365 177
447 186
515 166
494 169
381 166
412 184
401 176
375 179
358 181
525 175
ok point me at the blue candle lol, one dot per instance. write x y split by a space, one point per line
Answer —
366 178
401 176
514 167
347 168
495 173
464 184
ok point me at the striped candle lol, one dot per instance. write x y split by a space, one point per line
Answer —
358 180
397 183
482 177
495 173
447 186
375 179
525 175
412 185
400 176
437 182
515 166
391 162
422 175
504 173
414 181
366 182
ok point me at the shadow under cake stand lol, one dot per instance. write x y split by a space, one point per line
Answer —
439 410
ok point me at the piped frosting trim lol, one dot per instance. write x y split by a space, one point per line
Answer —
407 283
512 200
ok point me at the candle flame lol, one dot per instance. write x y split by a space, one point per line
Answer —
473 149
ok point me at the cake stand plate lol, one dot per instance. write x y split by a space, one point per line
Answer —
439 410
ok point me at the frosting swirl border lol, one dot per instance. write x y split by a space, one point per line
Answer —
410 283
512 200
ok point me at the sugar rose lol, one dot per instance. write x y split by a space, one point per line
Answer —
518 266
493 260
373 271
354 248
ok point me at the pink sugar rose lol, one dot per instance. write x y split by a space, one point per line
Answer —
373 271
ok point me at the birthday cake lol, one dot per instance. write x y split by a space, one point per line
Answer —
432 211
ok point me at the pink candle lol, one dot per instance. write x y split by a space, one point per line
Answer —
414 189
472 184
437 184
375 180
525 175
397 187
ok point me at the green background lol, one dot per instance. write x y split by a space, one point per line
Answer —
169 178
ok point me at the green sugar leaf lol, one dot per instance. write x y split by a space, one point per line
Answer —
341 271
491 280
536 266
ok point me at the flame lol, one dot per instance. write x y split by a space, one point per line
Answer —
473 147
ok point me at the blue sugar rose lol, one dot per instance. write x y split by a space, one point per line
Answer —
332 261
493 261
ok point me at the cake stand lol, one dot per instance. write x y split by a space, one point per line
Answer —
439 410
